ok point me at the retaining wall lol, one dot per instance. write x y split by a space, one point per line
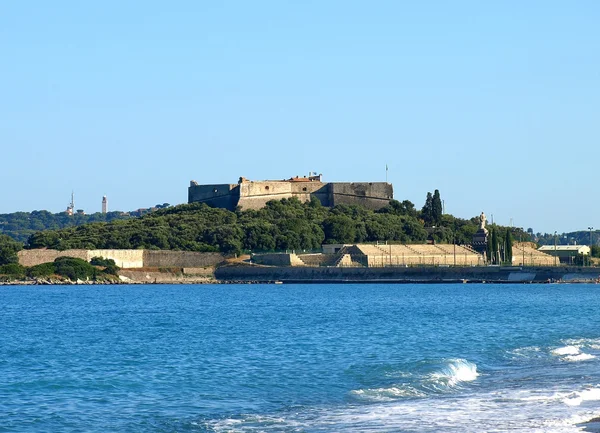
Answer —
180 259
400 274
37 257
122 258
128 259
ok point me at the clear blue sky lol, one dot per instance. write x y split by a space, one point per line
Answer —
496 104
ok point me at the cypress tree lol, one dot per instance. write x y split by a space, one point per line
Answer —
436 208
508 242
488 249
427 211
495 258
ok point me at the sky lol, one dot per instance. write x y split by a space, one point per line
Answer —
496 104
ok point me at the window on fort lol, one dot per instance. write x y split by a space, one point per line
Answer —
304 189
267 187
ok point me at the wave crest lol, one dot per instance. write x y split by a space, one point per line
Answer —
455 372
445 376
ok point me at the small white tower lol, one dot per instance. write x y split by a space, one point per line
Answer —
104 204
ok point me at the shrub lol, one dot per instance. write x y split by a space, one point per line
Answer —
110 266
42 270
13 269
74 269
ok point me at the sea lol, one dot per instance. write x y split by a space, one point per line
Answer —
300 358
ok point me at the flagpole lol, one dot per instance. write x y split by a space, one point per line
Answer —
386 173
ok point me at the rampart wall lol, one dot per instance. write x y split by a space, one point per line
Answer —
180 259
254 195
128 259
278 259
373 195
217 195
36 257
122 258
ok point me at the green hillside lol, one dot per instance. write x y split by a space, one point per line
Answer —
281 225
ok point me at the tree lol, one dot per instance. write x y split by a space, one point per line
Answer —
508 244
495 246
9 249
427 211
339 229
436 208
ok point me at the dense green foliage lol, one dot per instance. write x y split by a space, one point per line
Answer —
13 270
75 269
9 249
109 265
280 225
68 267
41 270
21 225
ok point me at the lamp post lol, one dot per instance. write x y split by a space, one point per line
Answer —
555 248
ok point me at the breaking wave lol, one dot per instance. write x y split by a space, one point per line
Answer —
445 377
457 371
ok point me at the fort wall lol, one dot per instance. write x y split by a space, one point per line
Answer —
255 195
37 257
278 259
217 195
127 259
372 195
122 258
180 259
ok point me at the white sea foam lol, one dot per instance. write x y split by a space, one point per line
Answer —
580 357
525 352
576 398
503 411
566 350
457 371
387 394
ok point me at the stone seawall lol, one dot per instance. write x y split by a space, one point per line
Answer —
400 274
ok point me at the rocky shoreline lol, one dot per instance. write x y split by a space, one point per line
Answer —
59 282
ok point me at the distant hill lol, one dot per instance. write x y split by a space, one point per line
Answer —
21 225
581 237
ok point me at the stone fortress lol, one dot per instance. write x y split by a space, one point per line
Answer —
249 194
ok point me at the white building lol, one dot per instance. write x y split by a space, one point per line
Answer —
565 253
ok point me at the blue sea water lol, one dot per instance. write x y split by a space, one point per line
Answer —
299 358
